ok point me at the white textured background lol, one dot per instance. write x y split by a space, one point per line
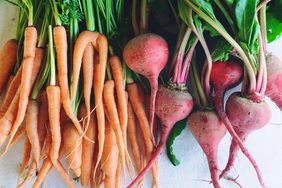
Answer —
265 145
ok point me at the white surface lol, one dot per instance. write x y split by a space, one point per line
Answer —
265 145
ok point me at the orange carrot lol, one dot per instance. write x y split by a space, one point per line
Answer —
121 94
133 139
87 147
31 119
60 40
88 71
4 91
118 176
45 169
11 91
42 119
31 170
137 101
109 160
73 148
54 106
112 115
82 42
9 117
18 135
99 78
26 157
8 58
31 65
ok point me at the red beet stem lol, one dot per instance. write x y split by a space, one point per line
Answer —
219 94
154 88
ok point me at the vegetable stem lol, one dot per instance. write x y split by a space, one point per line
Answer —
219 28
143 17
262 16
52 57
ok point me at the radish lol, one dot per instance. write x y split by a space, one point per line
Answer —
208 130
172 105
147 54
246 116
274 79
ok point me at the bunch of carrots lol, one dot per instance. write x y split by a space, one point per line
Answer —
74 84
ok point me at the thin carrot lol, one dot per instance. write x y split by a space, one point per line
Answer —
88 71
73 148
109 160
26 157
18 135
82 42
133 139
31 170
118 177
31 67
88 148
60 40
42 119
31 119
45 169
99 79
7 120
137 101
54 106
8 59
11 91
112 115
4 91
121 93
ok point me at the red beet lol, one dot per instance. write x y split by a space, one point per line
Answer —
274 79
246 116
147 54
208 130
171 106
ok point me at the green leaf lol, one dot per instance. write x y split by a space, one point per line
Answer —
175 132
274 20
221 50
211 30
245 12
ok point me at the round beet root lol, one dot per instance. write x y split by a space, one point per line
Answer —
147 54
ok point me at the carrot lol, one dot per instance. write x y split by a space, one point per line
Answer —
3 94
42 119
46 148
31 170
136 97
11 91
29 73
45 169
121 93
109 160
83 41
87 147
133 139
8 59
99 78
112 115
88 71
9 117
73 148
118 176
21 131
60 40
26 157
31 119
54 106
